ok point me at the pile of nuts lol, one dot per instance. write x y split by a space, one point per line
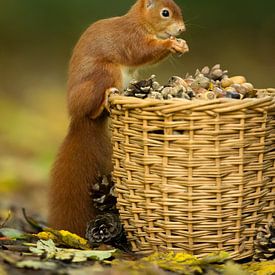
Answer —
208 83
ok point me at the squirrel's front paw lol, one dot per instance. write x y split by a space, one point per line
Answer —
179 46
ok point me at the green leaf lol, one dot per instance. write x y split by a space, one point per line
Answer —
78 256
65 255
99 255
13 233
48 249
44 248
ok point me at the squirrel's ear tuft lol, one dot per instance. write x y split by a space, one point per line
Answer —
149 3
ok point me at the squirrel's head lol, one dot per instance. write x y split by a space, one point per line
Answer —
163 17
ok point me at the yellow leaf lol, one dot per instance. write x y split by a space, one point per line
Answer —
46 236
64 237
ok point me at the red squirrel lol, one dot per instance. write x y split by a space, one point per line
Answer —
106 56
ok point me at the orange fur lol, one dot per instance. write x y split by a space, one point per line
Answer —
103 58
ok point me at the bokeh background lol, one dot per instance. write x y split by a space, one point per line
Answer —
36 41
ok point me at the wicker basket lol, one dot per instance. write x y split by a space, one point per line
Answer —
269 209
189 175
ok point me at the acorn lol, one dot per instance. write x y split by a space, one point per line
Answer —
239 88
226 82
230 89
248 86
238 79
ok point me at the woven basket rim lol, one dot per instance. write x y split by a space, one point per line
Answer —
220 105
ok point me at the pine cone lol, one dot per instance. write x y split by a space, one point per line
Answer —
141 89
103 196
265 243
105 229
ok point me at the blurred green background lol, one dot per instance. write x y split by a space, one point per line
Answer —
36 41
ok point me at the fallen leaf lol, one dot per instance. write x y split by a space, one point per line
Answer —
46 248
64 237
45 236
13 233
78 256
50 251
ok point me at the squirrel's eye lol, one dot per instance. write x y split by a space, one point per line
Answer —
165 13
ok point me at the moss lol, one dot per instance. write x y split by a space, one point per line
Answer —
262 268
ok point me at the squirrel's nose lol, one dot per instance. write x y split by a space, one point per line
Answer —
182 28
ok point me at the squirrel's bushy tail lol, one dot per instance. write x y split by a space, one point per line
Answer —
84 155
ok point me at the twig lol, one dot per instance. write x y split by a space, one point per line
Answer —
6 220
32 222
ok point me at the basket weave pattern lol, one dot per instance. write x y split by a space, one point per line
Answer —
189 175
269 209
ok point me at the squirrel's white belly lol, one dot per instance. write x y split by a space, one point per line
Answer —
127 75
